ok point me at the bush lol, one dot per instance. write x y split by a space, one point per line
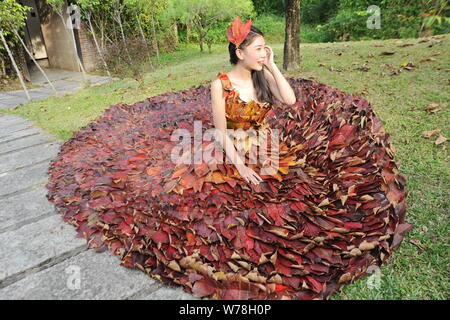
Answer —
399 19
317 11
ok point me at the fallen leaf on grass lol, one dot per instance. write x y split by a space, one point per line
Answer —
407 65
416 242
362 68
428 60
434 43
334 69
427 134
387 53
405 45
432 107
440 139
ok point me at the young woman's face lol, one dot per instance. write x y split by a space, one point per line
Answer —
254 55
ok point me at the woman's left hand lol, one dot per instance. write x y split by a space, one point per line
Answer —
269 57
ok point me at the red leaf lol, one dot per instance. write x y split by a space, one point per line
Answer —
125 228
203 287
280 287
315 285
273 210
160 237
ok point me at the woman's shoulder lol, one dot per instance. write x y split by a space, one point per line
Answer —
221 81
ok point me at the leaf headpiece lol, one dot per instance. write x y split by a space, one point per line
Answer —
238 31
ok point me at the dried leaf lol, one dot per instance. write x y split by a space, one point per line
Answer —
299 234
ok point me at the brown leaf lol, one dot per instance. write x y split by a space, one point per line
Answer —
428 60
417 243
440 139
427 134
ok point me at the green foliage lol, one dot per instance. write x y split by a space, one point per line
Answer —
399 19
12 19
275 7
12 16
204 16
317 11
56 5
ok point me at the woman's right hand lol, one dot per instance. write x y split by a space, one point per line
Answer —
249 174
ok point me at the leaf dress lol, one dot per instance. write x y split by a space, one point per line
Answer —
332 213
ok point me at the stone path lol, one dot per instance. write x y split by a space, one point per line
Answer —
64 81
41 258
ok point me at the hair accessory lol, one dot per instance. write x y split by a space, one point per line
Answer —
238 31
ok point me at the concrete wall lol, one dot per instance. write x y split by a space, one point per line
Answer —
58 40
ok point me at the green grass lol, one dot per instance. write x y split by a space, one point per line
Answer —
399 100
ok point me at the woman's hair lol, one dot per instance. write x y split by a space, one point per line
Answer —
262 88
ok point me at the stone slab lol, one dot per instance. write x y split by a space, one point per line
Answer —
25 142
17 210
34 245
10 119
88 275
28 156
23 179
12 102
66 84
11 136
15 127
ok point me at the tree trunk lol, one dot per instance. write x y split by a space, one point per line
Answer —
291 59
155 41
96 44
119 20
188 32
144 39
34 60
175 32
19 74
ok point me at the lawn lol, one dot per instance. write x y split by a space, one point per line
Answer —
419 269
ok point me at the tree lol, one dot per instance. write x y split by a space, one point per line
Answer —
291 57
12 17
88 8
118 7
138 7
202 15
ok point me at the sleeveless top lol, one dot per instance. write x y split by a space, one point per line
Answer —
241 114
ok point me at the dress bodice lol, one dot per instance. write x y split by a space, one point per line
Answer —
239 113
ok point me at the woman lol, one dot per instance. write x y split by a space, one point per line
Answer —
331 208
251 82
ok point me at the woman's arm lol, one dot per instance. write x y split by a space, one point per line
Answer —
218 110
278 84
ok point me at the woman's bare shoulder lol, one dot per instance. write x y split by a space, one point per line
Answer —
216 83
216 87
